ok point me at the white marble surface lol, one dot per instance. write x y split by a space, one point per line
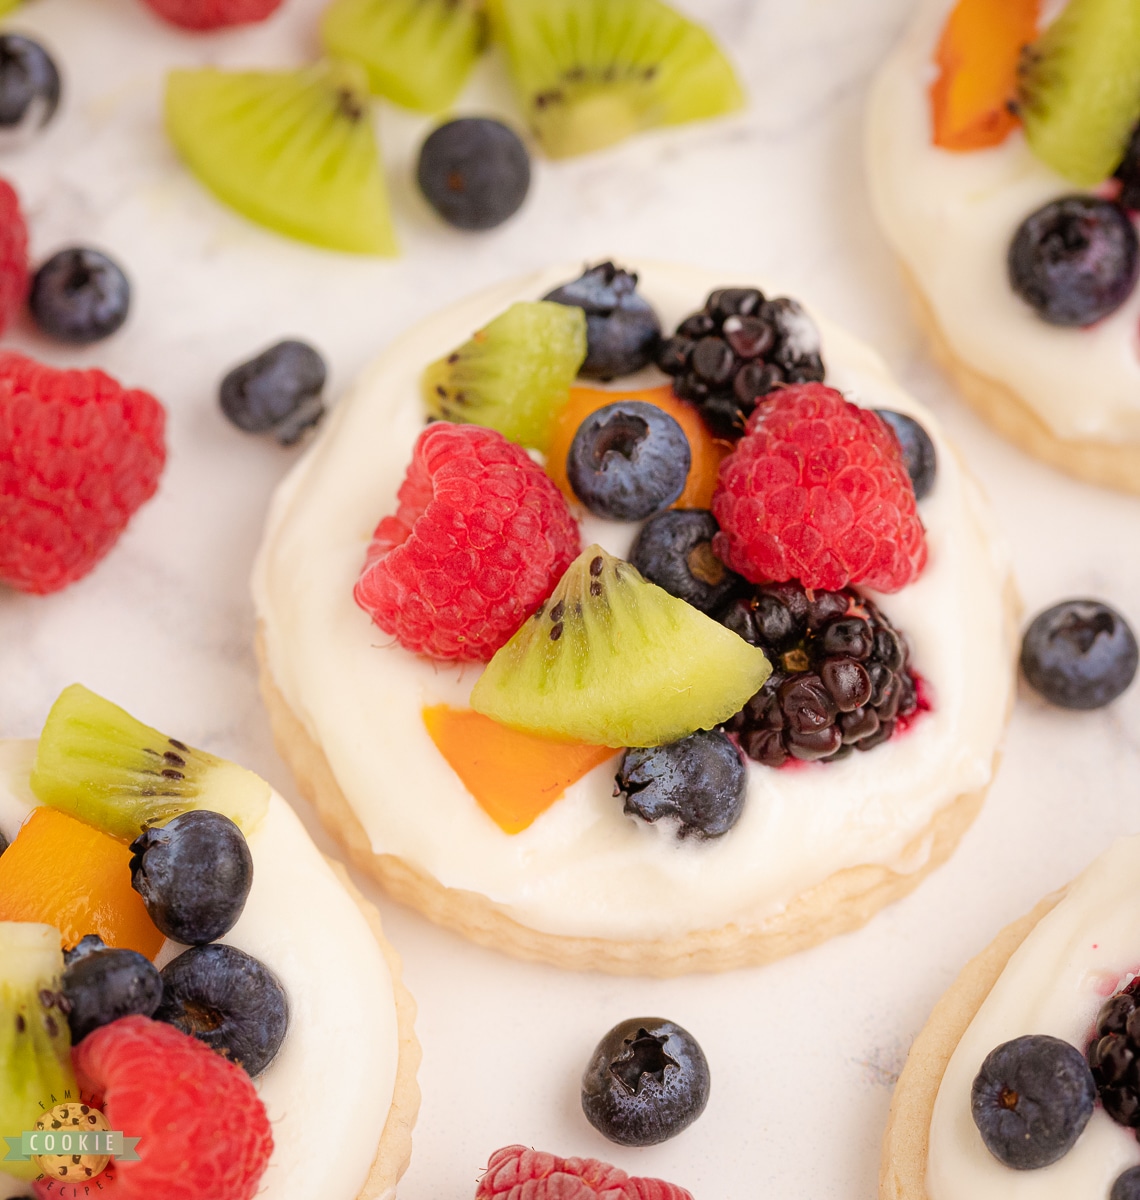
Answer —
803 1053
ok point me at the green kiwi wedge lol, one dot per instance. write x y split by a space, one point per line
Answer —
35 1041
613 660
589 73
292 150
1079 88
96 762
416 52
514 375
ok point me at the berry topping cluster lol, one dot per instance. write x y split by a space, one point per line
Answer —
840 680
737 349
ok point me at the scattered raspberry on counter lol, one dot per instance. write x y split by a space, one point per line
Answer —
213 14
518 1173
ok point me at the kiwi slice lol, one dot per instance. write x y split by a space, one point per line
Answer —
35 1041
514 375
293 150
591 72
613 660
416 52
99 764
1079 88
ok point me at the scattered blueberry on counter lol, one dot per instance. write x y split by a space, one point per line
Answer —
698 782
646 1081
475 172
628 460
278 391
918 451
1031 1100
79 296
674 550
622 330
29 88
194 874
1079 654
102 984
227 999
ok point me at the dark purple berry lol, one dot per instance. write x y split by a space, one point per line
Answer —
227 999
279 390
1075 260
1129 174
674 551
474 171
918 450
628 460
29 89
1114 1057
1127 1185
646 1081
194 874
622 330
1031 1100
79 296
1079 654
697 782
102 984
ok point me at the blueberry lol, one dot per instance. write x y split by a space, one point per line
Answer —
628 460
102 984
3 843
1079 654
1127 1186
1031 1100
645 1082
279 390
194 875
674 551
29 88
80 296
1075 260
475 172
699 782
918 450
622 330
227 999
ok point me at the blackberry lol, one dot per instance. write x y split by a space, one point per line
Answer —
840 678
1114 1056
737 349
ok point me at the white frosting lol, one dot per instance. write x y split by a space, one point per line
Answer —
951 217
583 868
330 1087
1054 983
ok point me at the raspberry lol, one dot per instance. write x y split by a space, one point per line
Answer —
78 455
204 1133
817 490
213 14
13 256
516 1173
480 537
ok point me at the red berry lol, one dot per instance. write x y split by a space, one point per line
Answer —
78 455
479 540
817 490
204 1133
213 14
516 1173
13 256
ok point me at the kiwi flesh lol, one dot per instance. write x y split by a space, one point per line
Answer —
35 1041
613 660
96 762
417 53
591 72
1079 88
514 375
292 150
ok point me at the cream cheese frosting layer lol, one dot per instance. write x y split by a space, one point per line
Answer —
584 868
951 218
1076 956
330 1087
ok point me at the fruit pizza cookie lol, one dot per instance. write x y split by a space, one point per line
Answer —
180 965
1024 1082
1004 161
684 672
